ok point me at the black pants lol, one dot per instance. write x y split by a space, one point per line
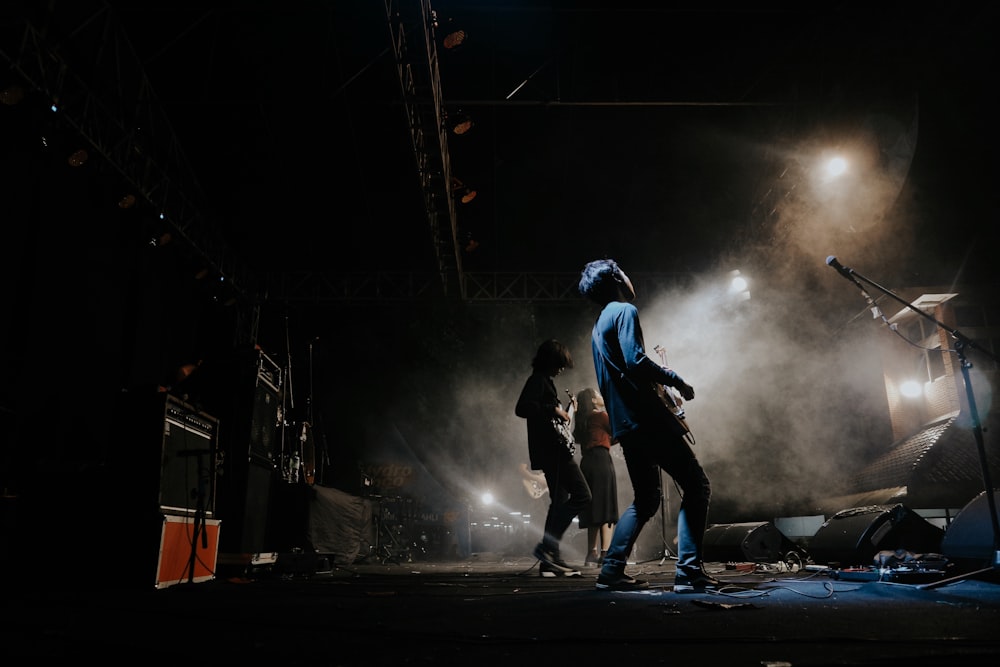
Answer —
568 494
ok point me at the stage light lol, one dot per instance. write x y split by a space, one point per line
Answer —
161 240
460 122
11 95
739 287
78 158
454 37
461 191
128 201
835 167
911 389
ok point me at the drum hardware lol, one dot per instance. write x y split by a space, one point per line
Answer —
391 544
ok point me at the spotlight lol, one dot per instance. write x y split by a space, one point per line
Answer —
78 158
454 36
11 95
739 288
461 191
161 240
454 39
460 123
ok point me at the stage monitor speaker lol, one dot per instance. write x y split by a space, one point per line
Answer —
970 536
853 537
759 542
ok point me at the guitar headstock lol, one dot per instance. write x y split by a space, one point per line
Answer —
663 354
572 399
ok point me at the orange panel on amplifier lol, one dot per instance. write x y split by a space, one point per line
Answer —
178 543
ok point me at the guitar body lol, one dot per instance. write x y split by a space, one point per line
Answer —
673 402
669 401
564 434
534 489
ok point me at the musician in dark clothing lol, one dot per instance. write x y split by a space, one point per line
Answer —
550 452
651 437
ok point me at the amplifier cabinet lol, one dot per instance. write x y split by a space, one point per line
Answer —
187 476
163 458
178 543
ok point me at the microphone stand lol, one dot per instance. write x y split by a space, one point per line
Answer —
199 528
961 343
664 505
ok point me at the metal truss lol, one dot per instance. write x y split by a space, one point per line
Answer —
510 287
116 112
412 26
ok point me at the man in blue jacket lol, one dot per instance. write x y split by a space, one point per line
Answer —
651 436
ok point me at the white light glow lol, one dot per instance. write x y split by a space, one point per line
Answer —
835 167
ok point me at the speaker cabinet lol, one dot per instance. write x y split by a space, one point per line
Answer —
164 457
852 537
757 542
969 538
161 462
265 441
245 388
187 466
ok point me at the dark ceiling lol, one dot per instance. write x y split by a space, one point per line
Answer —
671 138
656 133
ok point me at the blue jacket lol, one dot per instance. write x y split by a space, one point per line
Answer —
626 377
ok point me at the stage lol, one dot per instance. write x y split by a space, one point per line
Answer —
498 610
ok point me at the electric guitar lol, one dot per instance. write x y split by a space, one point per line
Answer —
561 426
672 401
534 489
534 482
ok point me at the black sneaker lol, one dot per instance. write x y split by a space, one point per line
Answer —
555 563
546 570
695 582
620 582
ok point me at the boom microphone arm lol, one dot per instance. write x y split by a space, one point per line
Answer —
961 343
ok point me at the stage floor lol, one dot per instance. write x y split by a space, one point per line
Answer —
499 611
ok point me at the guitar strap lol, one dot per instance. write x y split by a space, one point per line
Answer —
661 410
620 372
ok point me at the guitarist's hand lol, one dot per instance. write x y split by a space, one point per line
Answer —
687 391
562 414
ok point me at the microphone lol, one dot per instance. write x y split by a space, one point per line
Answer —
841 269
